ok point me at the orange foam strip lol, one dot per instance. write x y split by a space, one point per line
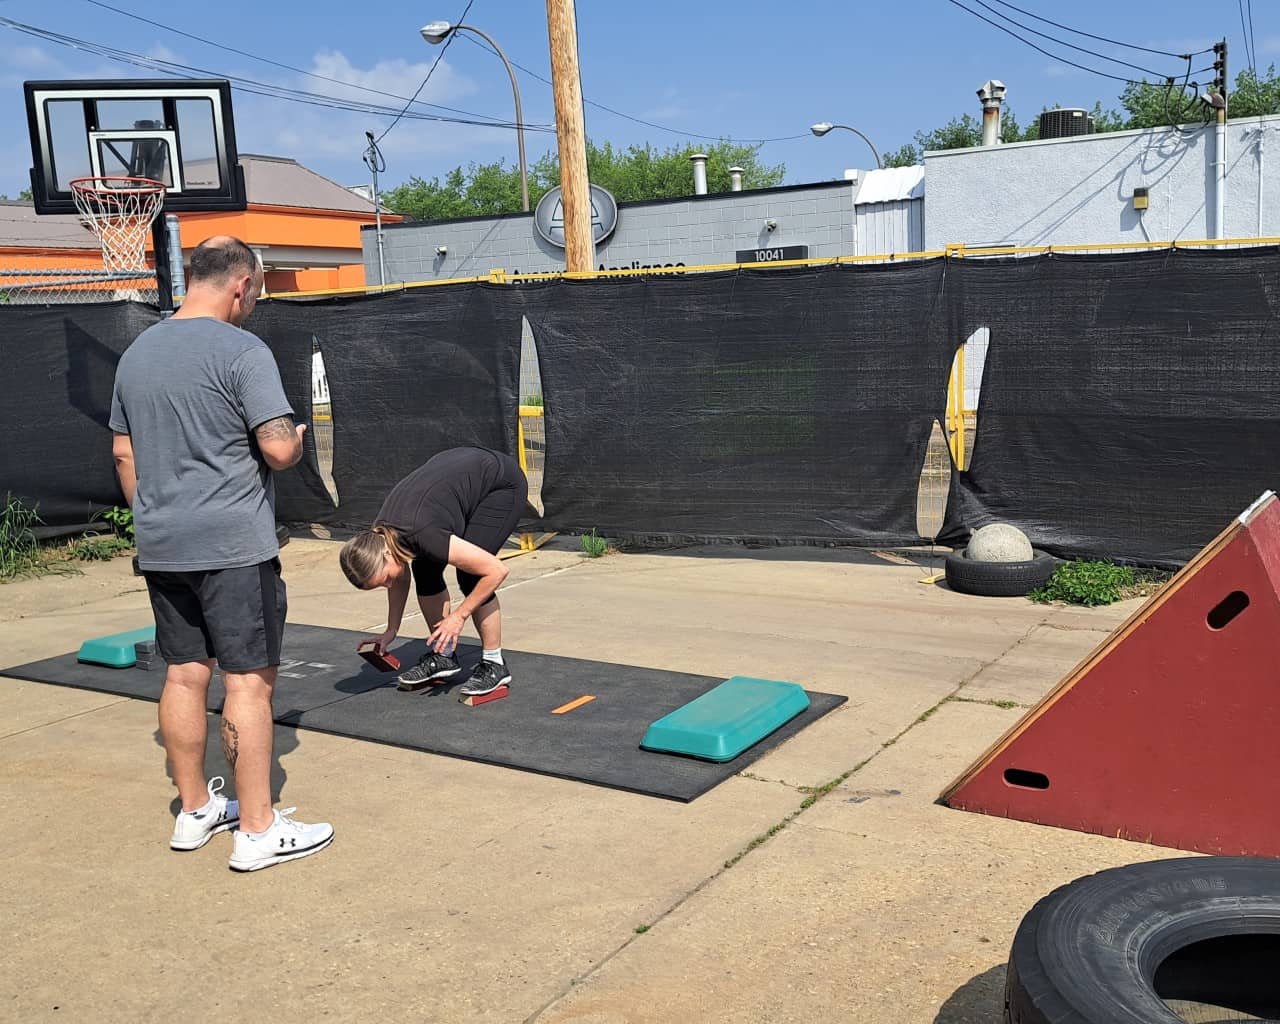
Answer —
566 708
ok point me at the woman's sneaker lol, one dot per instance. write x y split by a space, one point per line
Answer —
431 668
485 678
286 839
195 828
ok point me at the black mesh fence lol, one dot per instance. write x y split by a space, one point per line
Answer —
1130 404
410 374
758 405
60 365
301 495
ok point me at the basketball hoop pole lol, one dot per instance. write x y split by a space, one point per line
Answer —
164 277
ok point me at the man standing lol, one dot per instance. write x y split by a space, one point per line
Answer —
200 420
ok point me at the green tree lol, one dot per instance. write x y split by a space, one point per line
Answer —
475 191
1144 105
637 172
1150 106
645 172
958 133
23 197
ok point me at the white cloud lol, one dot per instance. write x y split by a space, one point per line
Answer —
671 107
332 141
398 77
31 59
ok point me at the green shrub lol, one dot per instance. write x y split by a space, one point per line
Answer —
121 520
19 549
98 549
1087 583
594 546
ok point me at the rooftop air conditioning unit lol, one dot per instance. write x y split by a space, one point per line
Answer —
1065 123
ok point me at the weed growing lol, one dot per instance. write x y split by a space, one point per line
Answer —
19 549
1086 583
594 546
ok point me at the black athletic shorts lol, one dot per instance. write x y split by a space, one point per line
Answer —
235 616
488 527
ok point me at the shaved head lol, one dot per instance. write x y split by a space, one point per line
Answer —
221 257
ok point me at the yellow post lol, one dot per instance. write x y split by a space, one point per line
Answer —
958 452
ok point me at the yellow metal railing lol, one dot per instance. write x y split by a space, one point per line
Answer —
497 275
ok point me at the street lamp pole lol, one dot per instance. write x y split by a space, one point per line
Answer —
822 127
438 32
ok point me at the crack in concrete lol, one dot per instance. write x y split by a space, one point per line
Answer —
65 718
815 795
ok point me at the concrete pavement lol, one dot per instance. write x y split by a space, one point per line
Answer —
824 884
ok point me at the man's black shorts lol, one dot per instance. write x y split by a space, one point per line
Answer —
235 616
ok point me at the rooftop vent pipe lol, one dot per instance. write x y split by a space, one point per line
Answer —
699 173
992 95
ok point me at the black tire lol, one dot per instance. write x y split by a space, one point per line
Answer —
998 579
1112 947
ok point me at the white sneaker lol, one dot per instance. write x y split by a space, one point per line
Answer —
195 828
286 839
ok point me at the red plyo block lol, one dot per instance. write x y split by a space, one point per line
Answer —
484 698
1169 732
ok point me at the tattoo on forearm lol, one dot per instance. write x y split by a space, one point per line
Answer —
279 429
230 743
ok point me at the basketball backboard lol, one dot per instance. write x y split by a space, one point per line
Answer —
177 132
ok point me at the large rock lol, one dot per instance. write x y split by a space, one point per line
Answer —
1000 542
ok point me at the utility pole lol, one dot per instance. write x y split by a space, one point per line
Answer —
1220 140
373 160
575 187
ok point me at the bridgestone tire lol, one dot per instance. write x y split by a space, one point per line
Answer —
998 579
1112 947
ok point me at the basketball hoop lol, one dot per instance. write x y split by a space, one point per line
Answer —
120 212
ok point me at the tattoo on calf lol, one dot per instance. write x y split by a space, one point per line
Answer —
279 429
230 743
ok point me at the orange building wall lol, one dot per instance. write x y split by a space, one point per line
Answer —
295 227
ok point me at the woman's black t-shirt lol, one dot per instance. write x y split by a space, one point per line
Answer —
434 502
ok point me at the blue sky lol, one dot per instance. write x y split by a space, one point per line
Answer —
745 70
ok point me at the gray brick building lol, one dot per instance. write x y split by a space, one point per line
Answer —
881 212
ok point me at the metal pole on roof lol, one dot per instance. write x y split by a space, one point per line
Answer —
373 160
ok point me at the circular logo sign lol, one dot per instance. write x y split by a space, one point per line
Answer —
548 217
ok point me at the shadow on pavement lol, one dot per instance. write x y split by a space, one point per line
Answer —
980 1000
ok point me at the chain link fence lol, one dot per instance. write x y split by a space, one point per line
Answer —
62 286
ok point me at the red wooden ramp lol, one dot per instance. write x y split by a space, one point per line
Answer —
1169 732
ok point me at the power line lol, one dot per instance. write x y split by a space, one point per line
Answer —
248 85
648 124
430 71
1246 32
1063 42
275 63
1040 49
1102 39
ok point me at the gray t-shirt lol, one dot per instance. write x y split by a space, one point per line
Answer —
190 393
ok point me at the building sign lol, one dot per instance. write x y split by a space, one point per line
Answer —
548 216
773 254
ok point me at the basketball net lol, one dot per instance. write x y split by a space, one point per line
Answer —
120 211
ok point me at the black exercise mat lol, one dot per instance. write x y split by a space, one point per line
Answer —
323 685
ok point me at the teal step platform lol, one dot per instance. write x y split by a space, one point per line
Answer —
726 720
115 651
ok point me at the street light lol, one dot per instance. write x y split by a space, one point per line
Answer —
437 32
822 127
